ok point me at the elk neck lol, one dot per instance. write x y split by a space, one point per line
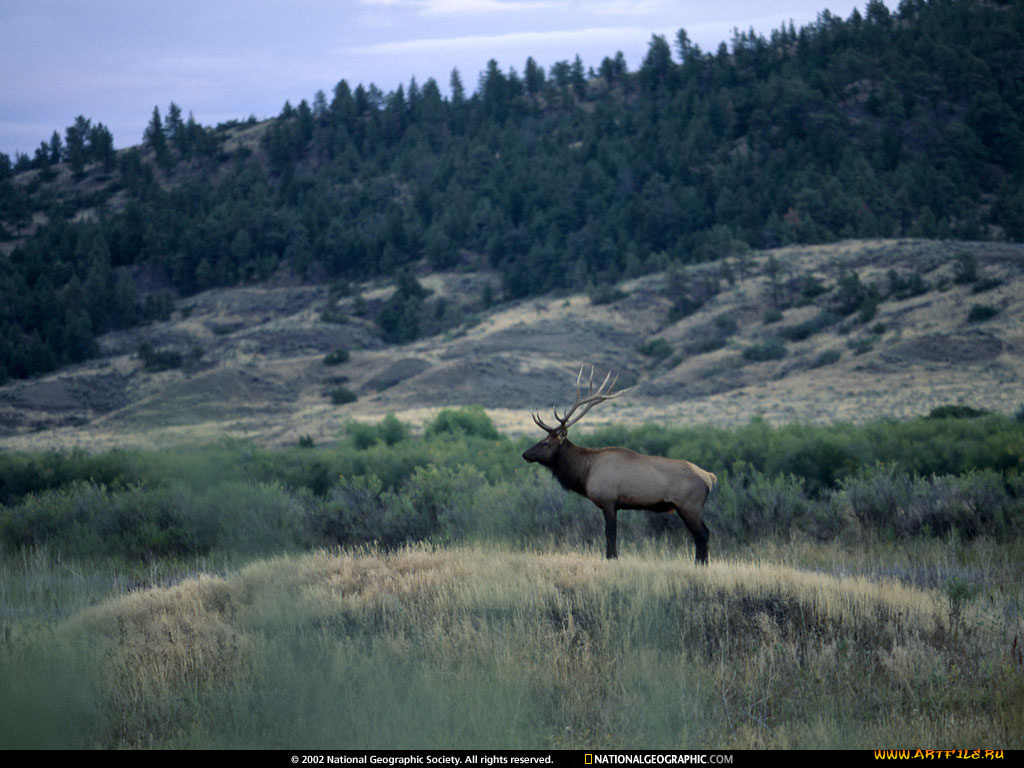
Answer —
571 466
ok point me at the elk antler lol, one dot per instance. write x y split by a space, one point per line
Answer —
592 398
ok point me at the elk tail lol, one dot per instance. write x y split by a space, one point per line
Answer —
712 482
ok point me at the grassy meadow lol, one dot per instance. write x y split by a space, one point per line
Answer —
408 592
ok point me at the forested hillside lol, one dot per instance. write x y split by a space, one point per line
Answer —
879 125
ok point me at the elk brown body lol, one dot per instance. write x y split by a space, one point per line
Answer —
618 478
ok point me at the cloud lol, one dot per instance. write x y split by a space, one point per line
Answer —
510 39
631 7
480 7
204 64
464 7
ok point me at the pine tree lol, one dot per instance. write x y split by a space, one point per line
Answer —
101 146
155 138
534 77
458 91
173 125
75 137
56 149
577 78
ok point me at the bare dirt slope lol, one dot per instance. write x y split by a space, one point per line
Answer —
254 357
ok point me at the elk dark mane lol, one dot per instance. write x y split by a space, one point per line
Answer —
571 470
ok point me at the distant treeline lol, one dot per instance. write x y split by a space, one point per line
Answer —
883 124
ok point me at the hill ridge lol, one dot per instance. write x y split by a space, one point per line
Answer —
880 125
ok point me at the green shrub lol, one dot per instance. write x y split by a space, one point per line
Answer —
447 499
751 505
975 504
955 412
155 360
353 513
827 357
979 313
86 520
876 495
605 294
658 349
811 288
531 508
885 500
809 327
725 324
986 284
342 395
901 288
362 435
21 474
709 344
389 431
392 430
337 357
861 346
253 518
965 269
771 349
471 420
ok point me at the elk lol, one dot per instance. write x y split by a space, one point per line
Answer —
618 478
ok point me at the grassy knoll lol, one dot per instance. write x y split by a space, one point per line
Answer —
483 646
866 589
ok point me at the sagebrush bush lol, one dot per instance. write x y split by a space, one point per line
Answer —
877 496
138 523
447 499
886 501
87 520
361 510
751 505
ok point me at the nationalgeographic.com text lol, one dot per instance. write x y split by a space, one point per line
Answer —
684 759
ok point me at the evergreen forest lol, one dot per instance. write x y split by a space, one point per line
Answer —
565 177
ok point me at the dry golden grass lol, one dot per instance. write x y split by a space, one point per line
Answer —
485 647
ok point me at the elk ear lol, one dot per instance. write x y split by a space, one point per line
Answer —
561 434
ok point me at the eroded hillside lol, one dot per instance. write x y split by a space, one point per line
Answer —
846 332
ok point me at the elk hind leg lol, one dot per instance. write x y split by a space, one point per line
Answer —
699 531
610 528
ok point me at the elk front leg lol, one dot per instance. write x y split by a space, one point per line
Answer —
610 526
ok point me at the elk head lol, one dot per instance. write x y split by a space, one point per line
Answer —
546 451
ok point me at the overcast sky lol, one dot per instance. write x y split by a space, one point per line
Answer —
113 60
